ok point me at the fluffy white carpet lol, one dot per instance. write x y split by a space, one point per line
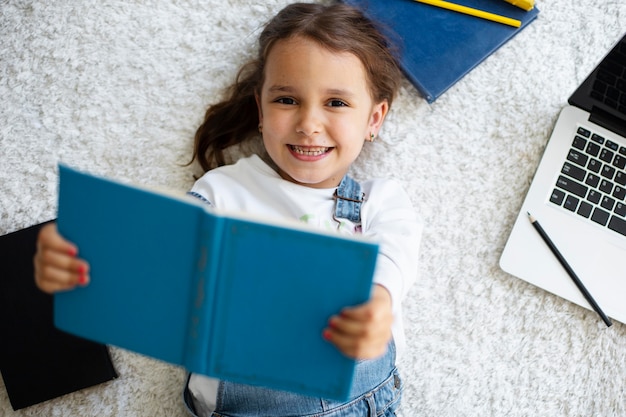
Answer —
118 88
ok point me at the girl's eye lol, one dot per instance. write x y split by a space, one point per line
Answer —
337 103
285 100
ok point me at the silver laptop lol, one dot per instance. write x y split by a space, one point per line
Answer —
578 195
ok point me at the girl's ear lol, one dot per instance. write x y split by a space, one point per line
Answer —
378 116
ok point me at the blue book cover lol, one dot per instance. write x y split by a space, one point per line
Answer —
439 46
222 295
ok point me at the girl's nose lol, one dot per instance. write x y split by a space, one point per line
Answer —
309 122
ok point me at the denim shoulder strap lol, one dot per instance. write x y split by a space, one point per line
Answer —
348 200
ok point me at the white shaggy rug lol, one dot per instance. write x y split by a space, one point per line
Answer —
118 88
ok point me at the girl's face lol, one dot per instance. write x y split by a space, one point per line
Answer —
316 111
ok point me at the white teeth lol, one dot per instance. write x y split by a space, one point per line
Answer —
309 151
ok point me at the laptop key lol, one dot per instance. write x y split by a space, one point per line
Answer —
597 138
606 155
573 171
592 180
594 196
606 186
600 216
594 165
607 203
608 172
620 208
593 149
611 145
571 203
557 197
619 192
577 157
585 209
584 132
618 225
579 143
571 186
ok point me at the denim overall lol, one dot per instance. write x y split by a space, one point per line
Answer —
376 385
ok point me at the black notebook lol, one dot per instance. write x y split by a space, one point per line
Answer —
37 361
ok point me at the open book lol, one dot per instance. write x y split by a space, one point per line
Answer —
222 295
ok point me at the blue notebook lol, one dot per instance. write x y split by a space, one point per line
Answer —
224 296
438 46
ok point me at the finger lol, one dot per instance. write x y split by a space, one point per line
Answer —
49 238
361 339
58 280
55 264
369 314
348 326
374 333
364 312
56 271
355 347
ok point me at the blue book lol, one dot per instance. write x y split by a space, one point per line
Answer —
226 296
438 46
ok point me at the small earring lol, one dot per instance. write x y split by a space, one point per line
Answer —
371 138
260 128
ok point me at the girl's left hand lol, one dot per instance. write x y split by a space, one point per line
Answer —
363 332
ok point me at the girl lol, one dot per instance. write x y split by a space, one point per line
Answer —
319 89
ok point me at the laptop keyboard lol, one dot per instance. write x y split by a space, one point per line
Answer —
610 84
592 182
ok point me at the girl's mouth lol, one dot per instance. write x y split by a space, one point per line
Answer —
309 150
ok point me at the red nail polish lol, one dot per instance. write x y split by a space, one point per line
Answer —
82 280
326 334
72 252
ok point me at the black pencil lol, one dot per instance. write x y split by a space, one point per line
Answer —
569 270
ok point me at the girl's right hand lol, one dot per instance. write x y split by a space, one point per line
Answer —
57 267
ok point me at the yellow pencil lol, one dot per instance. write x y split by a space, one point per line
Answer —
472 12
523 4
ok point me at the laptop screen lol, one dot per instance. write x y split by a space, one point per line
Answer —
603 93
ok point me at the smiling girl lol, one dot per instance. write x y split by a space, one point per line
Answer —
319 90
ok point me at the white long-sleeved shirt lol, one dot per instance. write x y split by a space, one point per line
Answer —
387 217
